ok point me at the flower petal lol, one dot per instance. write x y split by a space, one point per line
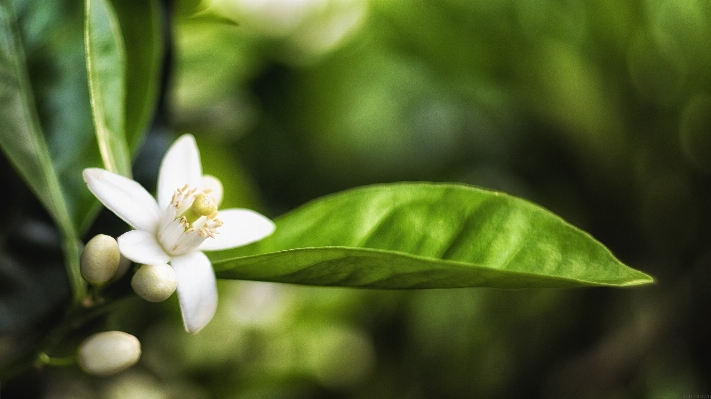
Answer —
197 290
124 197
142 247
241 227
213 184
180 166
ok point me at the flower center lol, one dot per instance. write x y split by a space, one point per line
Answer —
190 218
202 206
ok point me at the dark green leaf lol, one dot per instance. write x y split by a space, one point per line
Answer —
21 137
51 35
105 62
426 236
142 37
22 140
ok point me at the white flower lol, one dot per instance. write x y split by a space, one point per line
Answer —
181 224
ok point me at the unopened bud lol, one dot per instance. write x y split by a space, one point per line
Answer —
108 352
100 259
154 283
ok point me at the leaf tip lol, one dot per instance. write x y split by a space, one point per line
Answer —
640 279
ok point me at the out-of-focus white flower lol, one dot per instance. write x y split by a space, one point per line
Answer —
108 352
179 225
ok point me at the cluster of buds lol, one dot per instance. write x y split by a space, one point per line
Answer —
109 352
170 233
100 263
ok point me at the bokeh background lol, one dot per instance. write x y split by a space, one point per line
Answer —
598 110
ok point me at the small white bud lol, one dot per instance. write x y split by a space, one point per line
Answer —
154 283
100 259
108 352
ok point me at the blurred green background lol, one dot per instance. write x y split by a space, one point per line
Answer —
598 110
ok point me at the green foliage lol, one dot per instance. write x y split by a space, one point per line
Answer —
105 64
426 236
597 110
46 130
22 140
142 40
21 136
123 57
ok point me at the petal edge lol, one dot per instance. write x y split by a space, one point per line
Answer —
197 290
142 247
180 166
124 197
241 227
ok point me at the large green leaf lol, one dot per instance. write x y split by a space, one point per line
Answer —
143 41
49 49
50 37
46 119
23 142
106 63
426 236
21 136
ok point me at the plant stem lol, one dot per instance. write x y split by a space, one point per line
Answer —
70 247
43 358
75 318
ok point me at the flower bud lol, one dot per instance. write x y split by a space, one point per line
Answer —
100 259
108 352
154 283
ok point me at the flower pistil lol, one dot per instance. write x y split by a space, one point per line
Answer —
190 218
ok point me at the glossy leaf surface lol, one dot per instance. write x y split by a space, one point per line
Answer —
105 62
21 137
27 141
48 54
426 236
143 43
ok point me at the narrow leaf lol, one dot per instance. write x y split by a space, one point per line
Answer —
52 38
426 236
143 41
22 141
106 63
21 138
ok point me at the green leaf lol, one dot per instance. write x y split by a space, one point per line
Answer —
140 23
424 235
49 50
22 140
21 136
51 40
106 63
